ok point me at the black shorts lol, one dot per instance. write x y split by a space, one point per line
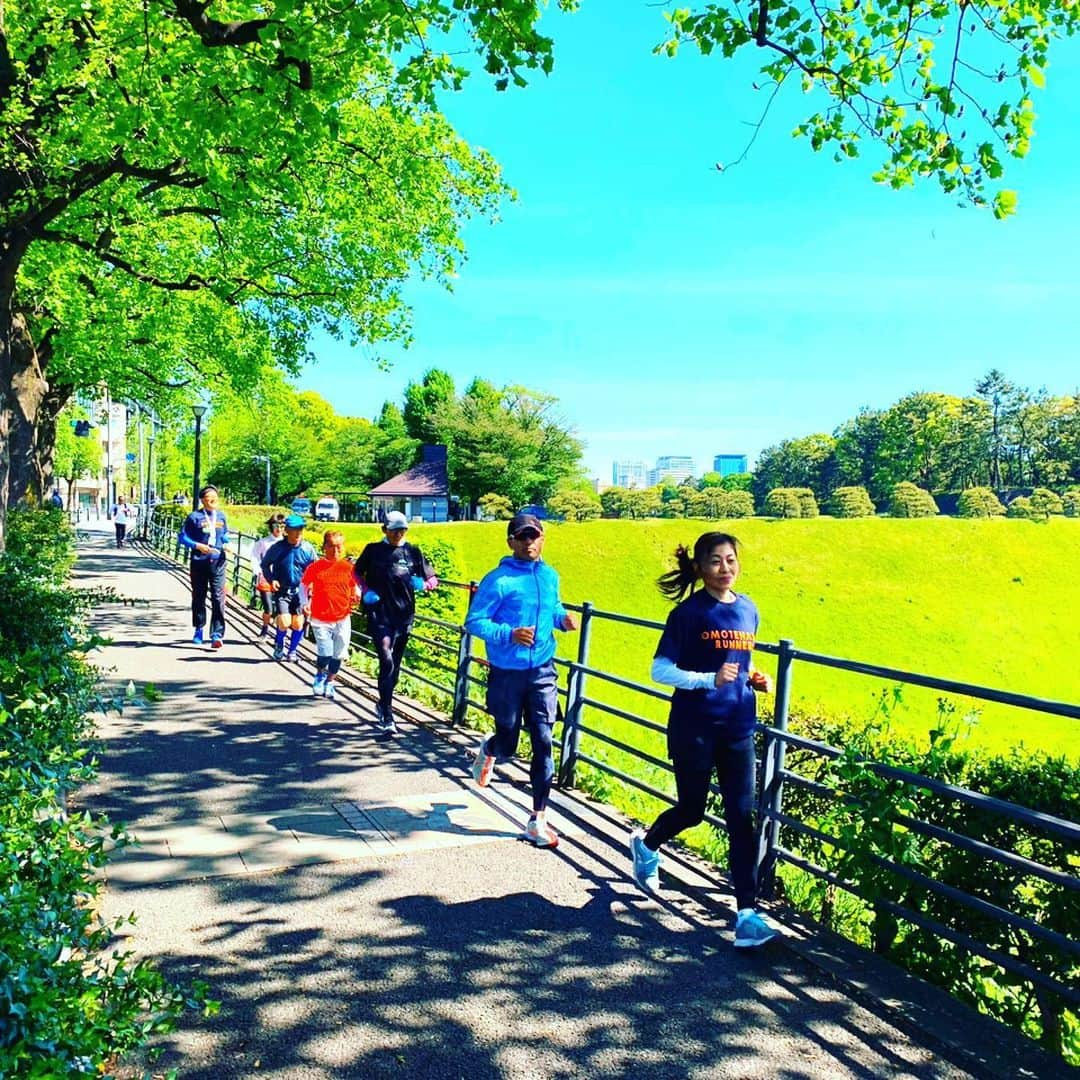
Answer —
287 602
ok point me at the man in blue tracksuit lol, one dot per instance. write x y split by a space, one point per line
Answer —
283 566
516 611
205 533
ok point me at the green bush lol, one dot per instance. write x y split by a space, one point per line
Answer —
575 505
851 502
869 814
718 504
68 1003
495 506
783 503
909 501
979 502
807 502
1023 507
1070 502
1047 502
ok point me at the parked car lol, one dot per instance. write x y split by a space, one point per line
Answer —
301 506
327 509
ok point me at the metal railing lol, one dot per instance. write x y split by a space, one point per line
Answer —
579 703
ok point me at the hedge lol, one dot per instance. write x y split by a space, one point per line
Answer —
851 502
791 503
69 1004
909 501
979 502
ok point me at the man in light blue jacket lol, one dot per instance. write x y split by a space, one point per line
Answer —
516 611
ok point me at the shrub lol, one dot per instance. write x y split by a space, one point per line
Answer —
979 502
909 501
497 507
783 503
575 505
872 817
1070 502
70 1004
1023 507
851 502
1047 502
717 504
807 502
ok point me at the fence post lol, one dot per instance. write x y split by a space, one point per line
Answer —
464 662
770 799
236 568
575 694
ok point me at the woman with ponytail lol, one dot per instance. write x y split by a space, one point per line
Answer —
705 654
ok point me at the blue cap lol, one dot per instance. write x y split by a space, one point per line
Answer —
294 521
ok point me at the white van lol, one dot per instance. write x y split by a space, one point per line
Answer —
327 509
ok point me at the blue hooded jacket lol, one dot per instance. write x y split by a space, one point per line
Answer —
517 593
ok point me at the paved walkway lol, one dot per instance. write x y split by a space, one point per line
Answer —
362 910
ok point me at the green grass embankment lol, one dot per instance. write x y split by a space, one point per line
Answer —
989 602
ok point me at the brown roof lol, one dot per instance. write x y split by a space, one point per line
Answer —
428 478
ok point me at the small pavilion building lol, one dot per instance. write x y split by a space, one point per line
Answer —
421 493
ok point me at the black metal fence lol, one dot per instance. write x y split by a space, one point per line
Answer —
442 657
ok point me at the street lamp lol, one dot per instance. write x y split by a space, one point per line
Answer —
197 412
265 458
151 487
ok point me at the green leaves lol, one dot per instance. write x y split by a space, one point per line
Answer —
932 84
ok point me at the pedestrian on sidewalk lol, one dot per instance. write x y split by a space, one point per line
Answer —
705 654
331 594
275 525
205 533
516 611
122 516
390 573
283 566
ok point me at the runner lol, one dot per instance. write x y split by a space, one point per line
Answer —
122 516
283 566
205 534
390 572
331 594
262 588
705 653
516 611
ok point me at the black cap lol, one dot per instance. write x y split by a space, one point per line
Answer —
521 522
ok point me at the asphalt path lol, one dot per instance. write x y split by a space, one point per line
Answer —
451 950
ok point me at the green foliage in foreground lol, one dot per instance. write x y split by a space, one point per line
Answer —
68 1003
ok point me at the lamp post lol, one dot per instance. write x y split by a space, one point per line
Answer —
151 487
265 458
197 412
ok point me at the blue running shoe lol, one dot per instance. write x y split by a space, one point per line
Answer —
318 687
752 930
330 691
646 864
196 638
279 653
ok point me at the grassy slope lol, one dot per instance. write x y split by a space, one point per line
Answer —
988 602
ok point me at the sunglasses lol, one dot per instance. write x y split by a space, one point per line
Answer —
527 534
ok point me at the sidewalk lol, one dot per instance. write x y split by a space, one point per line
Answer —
362 910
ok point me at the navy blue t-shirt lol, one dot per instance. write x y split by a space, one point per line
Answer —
702 634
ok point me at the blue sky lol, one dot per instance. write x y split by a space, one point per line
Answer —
676 309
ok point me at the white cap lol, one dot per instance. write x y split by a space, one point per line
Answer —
396 520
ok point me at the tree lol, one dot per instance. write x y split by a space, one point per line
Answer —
942 91
808 462
507 441
916 435
574 505
497 507
277 173
999 394
75 456
425 402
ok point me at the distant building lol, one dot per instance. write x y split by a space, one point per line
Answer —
421 493
727 464
672 467
629 474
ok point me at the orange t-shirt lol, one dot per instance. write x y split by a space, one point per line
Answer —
331 588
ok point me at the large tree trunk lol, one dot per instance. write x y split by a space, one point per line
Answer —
26 392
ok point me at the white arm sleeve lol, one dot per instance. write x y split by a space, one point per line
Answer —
664 671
